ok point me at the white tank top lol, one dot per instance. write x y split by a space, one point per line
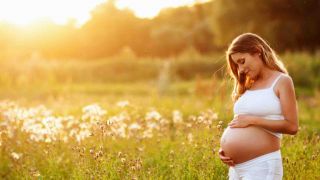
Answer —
261 102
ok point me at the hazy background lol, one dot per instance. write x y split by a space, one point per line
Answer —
206 27
125 89
113 44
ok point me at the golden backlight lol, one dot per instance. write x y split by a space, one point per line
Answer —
151 8
24 12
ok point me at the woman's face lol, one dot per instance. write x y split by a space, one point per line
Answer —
248 64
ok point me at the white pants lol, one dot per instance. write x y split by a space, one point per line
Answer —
265 167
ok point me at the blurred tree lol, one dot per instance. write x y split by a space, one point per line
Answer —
109 30
140 41
189 24
202 37
169 40
286 24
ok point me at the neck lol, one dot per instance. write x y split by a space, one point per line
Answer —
264 74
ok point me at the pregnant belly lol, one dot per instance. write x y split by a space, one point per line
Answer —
243 144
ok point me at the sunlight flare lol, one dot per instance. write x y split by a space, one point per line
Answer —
60 11
23 13
150 9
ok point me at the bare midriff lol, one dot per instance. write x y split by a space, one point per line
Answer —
243 144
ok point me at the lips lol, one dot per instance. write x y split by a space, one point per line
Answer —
248 74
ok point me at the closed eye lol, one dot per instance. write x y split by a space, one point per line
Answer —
241 61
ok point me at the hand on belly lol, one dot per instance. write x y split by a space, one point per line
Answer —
242 144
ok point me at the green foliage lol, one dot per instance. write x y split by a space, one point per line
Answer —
270 19
303 68
126 67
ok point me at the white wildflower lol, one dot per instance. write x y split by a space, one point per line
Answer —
123 104
153 115
16 156
177 117
134 126
93 112
153 125
147 134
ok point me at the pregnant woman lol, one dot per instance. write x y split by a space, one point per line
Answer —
264 109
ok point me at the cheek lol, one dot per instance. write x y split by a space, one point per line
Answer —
253 66
249 67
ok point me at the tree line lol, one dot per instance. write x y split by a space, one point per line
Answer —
288 25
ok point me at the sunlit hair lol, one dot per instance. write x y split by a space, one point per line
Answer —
252 44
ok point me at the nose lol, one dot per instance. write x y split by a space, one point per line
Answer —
241 69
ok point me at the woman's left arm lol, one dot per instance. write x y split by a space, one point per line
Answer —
289 125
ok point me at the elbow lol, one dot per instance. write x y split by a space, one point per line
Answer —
293 130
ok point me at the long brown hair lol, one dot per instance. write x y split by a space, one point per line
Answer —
252 44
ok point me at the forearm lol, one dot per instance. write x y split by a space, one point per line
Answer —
280 126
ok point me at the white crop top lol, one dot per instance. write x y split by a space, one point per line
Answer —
261 102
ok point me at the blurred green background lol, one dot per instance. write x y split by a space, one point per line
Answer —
173 62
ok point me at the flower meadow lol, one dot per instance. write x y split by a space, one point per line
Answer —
128 141
98 144
124 118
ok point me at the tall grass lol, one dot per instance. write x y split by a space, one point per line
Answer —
122 119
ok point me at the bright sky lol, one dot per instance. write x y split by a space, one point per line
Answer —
23 12
150 8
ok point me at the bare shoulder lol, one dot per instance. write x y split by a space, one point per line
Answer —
285 81
284 85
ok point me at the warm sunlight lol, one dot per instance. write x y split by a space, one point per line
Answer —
61 11
149 8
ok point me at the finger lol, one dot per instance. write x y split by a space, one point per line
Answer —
234 125
231 123
229 162
225 158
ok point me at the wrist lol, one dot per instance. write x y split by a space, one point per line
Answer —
253 120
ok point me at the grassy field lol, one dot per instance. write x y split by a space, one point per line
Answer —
150 129
123 131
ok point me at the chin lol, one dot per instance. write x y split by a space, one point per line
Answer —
252 76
